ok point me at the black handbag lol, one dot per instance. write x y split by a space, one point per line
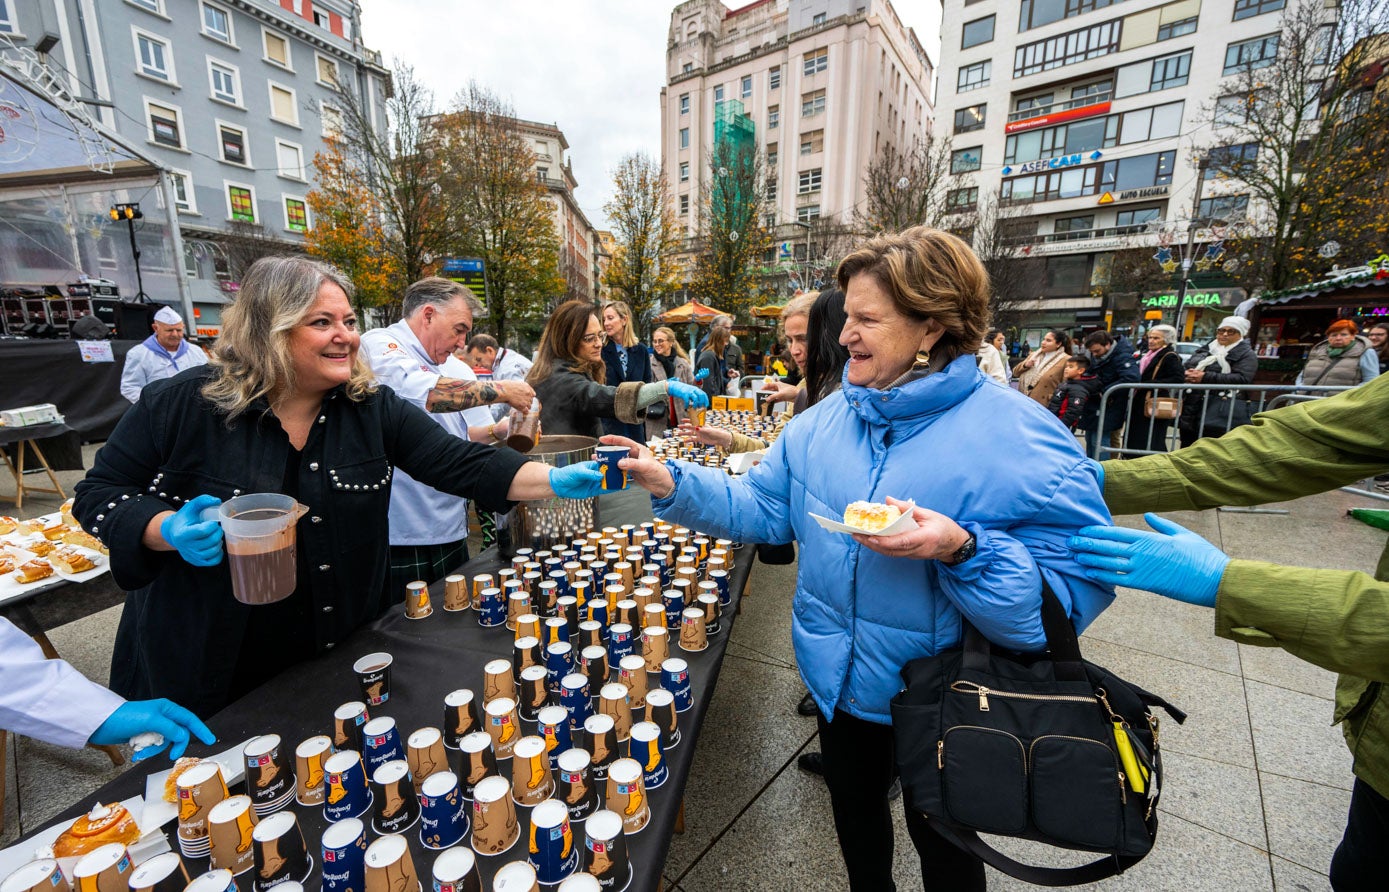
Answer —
1222 413
1047 747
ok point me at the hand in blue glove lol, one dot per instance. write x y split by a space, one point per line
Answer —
701 374
169 720
580 481
198 541
1174 562
690 395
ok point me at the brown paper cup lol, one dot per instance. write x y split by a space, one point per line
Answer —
498 681
613 701
389 866
456 594
655 643
162 873
348 720
480 582
504 726
424 751
41 876
199 789
627 795
692 635
460 716
106 869
495 828
631 671
308 769
230 824
531 781
417 604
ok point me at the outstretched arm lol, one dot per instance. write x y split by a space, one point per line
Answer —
456 395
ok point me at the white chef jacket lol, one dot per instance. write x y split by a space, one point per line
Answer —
420 514
47 699
143 365
508 366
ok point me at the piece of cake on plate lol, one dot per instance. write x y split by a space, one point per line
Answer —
870 516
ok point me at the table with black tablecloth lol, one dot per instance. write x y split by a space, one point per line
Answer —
433 656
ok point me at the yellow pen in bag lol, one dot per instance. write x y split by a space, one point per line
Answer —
1136 772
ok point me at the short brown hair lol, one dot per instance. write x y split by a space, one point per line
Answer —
562 343
929 274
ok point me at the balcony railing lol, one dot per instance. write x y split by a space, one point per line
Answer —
1040 110
1077 235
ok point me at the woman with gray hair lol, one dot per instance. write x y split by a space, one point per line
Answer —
285 405
1149 423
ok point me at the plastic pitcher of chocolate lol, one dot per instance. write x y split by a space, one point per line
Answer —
524 428
259 530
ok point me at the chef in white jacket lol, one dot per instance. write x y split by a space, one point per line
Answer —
49 700
162 355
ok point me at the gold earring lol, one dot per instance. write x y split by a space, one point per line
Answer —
923 359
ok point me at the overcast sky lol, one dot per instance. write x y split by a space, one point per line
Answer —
593 67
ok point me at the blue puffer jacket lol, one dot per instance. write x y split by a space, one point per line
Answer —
955 442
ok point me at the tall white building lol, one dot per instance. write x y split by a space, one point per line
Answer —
1087 117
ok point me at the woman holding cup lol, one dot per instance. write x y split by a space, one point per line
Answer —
669 362
913 420
284 406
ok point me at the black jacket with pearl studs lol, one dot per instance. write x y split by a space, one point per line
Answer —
182 632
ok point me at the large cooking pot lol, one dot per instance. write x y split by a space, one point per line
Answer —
541 523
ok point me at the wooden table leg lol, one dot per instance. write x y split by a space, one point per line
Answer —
18 475
48 469
680 817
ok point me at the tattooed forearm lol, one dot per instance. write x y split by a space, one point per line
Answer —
454 395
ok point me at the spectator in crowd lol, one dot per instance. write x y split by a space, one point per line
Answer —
669 361
1335 619
992 515
161 355
626 360
990 357
1113 362
1378 335
1077 391
1160 365
1043 370
711 371
285 405
415 358
1000 342
1344 359
569 371
484 352
733 358
49 700
1226 360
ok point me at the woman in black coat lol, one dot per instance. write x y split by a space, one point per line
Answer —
627 361
1226 360
1160 365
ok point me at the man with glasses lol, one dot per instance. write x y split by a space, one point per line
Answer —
415 358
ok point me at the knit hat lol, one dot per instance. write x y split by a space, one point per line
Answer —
1342 325
1238 323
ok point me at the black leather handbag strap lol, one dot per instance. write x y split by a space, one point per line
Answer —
1062 645
1108 866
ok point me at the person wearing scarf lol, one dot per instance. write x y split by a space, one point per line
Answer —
1226 360
1160 365
1344 359
1042 372
161 355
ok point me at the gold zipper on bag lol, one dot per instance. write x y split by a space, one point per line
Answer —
969 687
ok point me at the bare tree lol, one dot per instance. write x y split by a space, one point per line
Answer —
999 232
907 187
245 243
641 271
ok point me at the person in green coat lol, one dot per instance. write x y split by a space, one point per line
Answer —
1335 619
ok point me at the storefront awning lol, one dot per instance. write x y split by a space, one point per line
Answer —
1359 286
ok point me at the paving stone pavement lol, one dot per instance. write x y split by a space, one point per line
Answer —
1257 780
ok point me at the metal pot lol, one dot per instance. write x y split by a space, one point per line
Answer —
541 523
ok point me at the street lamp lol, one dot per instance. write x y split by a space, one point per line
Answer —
806 226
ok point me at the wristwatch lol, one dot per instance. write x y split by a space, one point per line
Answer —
963 553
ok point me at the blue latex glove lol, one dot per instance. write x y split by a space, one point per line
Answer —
701 374
580 481
198 541
1099 472
1174 562
690 395
174 723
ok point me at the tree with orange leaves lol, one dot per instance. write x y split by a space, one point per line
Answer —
346 230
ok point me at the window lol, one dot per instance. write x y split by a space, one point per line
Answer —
962 199
1067 275
296 214
332 121
1139 172
1066 49
1236 109
1230 208
1074 227
773 117
972 77
815 61
771 188
283 106
745 88
321 19
684 103
970 118
7 25
808 214
687 68
1326 37
153 57
155 6
327 70
1248 55
217 23
1178 28
1138 216
812 103
289 160
1247 9
684 137
241 203
277 50
1171 71
182 181
966 160
1039 103
164 125
774 78
1036 13
226 82
977 32
1070 183
684 205
1231 161
1100 90
772 156
812 142
684 171
542 174
818 19
1157 122
232 143
718 94
808 181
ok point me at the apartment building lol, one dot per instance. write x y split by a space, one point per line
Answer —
819 85
232 97
1087 119
578 243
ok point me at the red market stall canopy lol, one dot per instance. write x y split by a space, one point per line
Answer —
694 311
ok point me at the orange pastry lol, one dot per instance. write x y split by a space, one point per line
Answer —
70 560
870 516
33 571
103 824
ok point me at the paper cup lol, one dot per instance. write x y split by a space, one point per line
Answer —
574 784
498 681
495 829
199 789
456 594
605 855
162 873
417 604
491 607
105 869
504 726
553 852
593 663
613 700
655 645
692 635
576 699
280 854
645 747
344 852
455 870
516 876
444 813
424 751
602 744
580 882
460 716
381 742
230 824
348 720
396 807
526 652
374 677
309 756
476 761
660 710
531 780
269 778
389 866
626 795
534 692
348 794
675 677
708 601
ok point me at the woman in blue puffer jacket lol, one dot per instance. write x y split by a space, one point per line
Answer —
999 484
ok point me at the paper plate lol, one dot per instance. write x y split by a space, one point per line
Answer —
900 525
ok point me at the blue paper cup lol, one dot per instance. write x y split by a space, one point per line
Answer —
344 846
444 812
349 796
614 478
645 747
553 853
675 677
381 742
